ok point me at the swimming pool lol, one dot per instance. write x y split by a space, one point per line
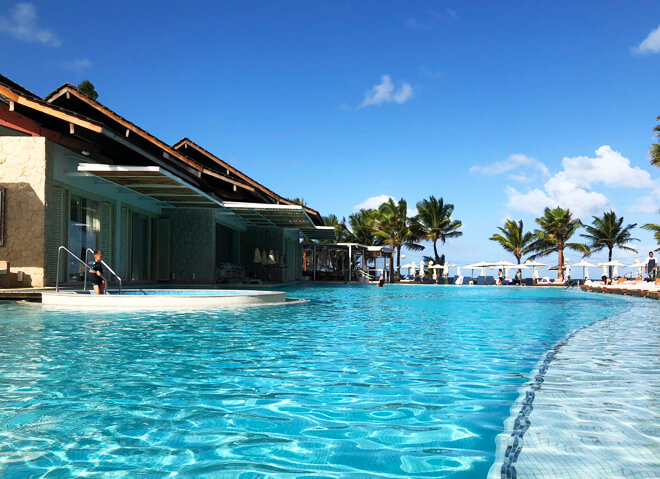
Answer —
402 381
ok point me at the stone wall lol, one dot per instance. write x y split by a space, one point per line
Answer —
193 244
23 173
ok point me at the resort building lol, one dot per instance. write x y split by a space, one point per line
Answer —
74 173
346 262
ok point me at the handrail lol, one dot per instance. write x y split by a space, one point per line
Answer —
57 278
87 251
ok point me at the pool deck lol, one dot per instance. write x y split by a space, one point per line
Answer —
591 409
34 294
641 289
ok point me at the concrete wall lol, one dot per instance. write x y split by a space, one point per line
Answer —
193 244
23 173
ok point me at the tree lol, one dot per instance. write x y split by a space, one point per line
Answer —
341 230
395 228
513 240
87 88
556 227
609 232
434 221
363 227
656 231
654 153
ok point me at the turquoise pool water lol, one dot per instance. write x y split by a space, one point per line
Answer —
402 381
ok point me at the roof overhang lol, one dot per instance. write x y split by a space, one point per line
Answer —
281 216
154 182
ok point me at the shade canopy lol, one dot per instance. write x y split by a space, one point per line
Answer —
614 263
281 216
154 182
584 264
534 263
502 263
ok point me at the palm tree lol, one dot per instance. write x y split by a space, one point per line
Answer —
556 227
397 230
341 230
655 147
609 232
362 225
434 220
656 231
513 239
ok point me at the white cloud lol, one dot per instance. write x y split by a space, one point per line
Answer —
608 167
384 92
518 162
532 202
651 43
581 202
645 205
572 187
77 66
22 24
404 93
372 203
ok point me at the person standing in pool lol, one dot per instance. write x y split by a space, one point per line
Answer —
651 266
381 281
97 273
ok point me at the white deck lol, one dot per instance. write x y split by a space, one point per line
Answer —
163 299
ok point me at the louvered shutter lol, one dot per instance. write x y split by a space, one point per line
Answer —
163 249
54 232
106 234
125 247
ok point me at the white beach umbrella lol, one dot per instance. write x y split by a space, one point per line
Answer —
472 267
421 269
435 268
616 265
504 264
639 265
458 271
535 265
585 267
446 270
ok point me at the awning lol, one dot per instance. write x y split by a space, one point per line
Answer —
154 182
281 216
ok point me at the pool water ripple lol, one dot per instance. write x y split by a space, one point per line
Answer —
392 382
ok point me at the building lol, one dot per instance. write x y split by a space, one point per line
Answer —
74 173
346 262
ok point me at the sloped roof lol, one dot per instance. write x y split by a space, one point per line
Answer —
186 143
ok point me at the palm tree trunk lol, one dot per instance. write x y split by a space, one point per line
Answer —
609 258
435 250
398 261
560 262
392 261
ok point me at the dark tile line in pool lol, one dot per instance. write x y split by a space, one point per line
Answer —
522 422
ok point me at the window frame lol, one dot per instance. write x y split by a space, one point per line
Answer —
3 215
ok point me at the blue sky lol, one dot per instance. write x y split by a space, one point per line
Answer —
499 108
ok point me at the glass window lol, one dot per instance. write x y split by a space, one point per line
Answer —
84 228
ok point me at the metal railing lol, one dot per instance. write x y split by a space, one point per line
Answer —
90 250
59 262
